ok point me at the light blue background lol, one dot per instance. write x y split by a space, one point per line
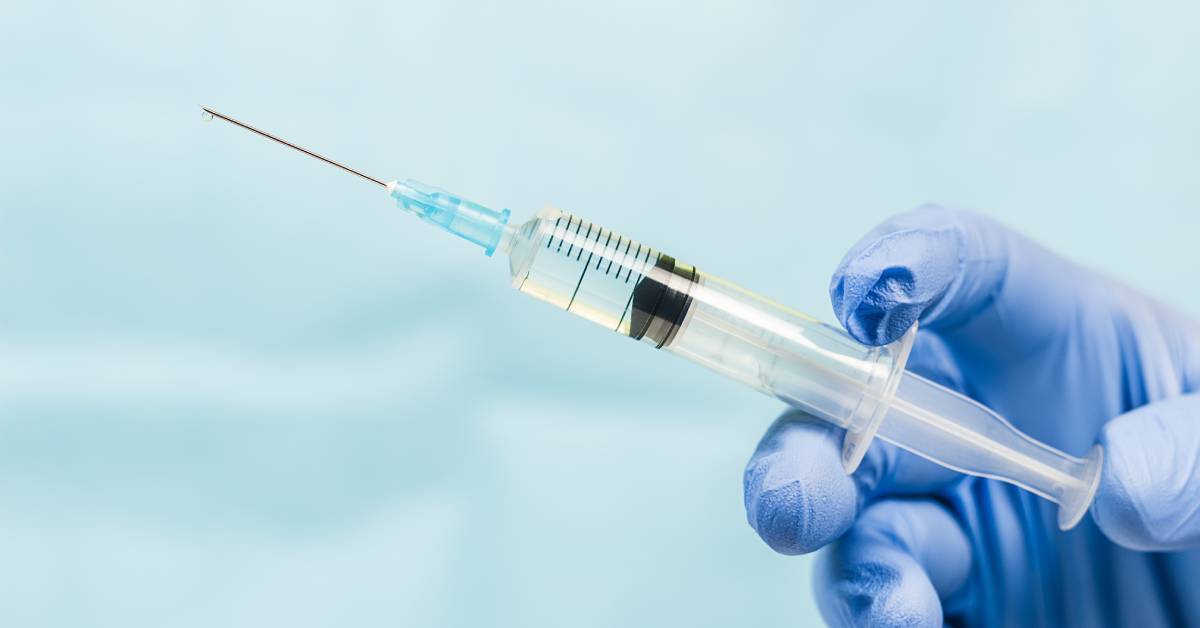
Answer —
238 388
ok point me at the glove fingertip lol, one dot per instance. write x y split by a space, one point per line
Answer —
1145 500
890 591
781 516
1115 508
797 498
894 274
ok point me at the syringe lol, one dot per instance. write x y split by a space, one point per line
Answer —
642 293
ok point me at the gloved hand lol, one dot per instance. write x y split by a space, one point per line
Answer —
1070 357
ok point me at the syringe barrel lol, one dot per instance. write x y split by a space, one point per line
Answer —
642 293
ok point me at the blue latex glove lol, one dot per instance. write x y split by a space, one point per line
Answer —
1068 356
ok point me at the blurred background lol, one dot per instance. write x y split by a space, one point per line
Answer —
239 388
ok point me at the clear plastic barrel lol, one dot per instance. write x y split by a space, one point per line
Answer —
645 294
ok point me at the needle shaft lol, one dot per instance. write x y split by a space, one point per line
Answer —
291 145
